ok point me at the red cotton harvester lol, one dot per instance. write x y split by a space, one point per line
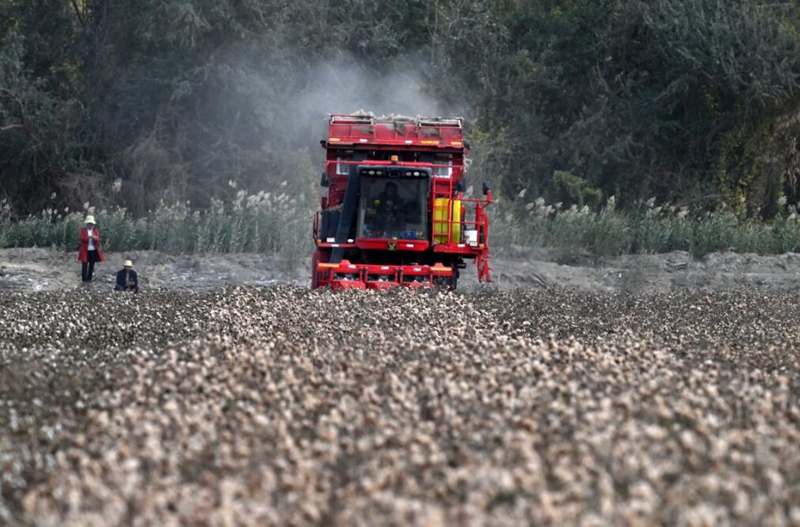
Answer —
395 213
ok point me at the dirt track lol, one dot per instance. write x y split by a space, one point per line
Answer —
281 406
50 270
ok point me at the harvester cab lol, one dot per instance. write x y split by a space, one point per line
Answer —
395 213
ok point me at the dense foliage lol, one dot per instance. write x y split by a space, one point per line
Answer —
123 102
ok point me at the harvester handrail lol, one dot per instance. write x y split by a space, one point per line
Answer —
481 221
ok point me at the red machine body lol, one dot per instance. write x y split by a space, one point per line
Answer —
395 214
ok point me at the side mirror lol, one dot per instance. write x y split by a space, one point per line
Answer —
324 181
486 188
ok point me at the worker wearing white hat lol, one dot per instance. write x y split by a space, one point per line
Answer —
127 279
89 251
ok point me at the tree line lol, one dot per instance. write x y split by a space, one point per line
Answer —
135 102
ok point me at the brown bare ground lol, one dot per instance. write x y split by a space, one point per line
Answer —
516 268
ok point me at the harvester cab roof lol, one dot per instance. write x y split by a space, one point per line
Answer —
395 211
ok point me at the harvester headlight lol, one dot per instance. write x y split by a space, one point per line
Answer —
408 173
416 173
371 172
379 172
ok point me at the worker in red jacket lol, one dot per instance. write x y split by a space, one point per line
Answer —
89 251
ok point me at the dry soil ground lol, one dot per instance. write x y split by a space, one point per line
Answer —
284 406
517 268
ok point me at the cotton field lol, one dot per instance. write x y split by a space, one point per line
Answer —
284 406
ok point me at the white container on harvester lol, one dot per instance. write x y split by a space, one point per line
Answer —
471 237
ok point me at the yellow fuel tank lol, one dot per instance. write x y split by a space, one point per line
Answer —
440 225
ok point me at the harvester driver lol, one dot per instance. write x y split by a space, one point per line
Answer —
390 209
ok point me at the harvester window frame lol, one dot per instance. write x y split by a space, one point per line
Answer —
343 169
444 168
420 194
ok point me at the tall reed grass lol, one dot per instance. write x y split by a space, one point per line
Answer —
650 229
277 223
271 223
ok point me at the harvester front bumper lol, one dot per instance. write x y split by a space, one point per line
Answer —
344 275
